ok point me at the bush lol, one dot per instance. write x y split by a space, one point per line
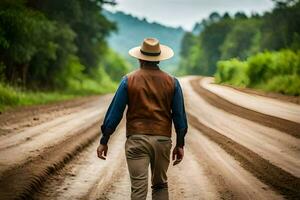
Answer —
264 66
259 68
270 71
115 65
285 84
232 72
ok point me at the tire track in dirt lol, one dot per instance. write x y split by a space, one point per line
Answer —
267 106
86 176
53 126
18 119
215 167
207 172
26 164
189 180
23 181
282 181
273 95
34 140
114 168
281 149
119 188
286 126
226 174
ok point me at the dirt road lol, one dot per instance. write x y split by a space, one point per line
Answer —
239 146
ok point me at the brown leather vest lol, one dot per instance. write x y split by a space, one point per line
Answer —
150 94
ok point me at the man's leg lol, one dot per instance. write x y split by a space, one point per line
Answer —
160 161
138 162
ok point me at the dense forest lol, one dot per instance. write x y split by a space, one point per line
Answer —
259 51
132 30
52 49
55 45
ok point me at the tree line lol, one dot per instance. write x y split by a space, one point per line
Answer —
57 44
260 51
240 36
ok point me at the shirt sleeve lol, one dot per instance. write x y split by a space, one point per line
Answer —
179 115
115 111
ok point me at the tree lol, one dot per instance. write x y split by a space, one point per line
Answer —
48 44
281 27
24 33
240 15
86 20
241 41
244 36
190 55
211 40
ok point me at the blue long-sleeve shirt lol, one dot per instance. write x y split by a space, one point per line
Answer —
116 109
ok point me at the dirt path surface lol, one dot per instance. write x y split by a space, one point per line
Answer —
29 155
49 152
277 147
280 124
273 95
268 106
21 118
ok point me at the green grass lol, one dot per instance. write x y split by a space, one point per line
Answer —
11 97
72 86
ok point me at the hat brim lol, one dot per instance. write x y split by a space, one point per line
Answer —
166 53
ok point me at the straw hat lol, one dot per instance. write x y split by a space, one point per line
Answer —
151 50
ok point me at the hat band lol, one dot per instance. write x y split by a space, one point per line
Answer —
149 53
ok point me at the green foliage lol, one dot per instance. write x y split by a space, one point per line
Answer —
281 27
264 66
233 72
71 75
58 47
241 36
11 97
191 54
285 84
270 71
53 60
241 41
2 75
211 39
86 20
25 32
38 40
115 65
79 86
204 51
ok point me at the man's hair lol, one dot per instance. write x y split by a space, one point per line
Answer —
150 62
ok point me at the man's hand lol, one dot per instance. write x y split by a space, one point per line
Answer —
102 149
178 153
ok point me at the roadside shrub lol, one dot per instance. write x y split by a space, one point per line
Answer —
259 68
264 66
285 84
8 96
233 72
270 71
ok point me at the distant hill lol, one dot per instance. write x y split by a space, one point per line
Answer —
132 30
198 28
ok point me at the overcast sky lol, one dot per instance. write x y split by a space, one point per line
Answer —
186 13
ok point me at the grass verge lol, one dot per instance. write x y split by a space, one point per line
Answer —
11 97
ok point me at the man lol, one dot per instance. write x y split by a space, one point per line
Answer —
154 100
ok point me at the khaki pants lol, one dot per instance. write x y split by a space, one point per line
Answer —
142 150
